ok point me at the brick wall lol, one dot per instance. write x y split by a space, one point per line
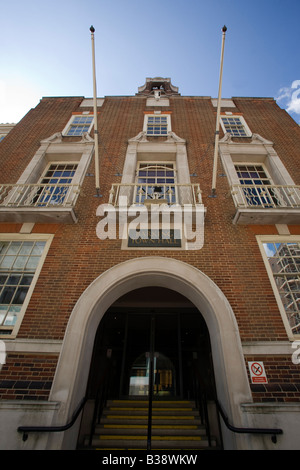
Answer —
230 255
27 376
283 380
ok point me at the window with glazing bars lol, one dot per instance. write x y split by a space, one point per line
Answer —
156 181
157 125
258 185
18 263
234 126
52 189
80 125
284 260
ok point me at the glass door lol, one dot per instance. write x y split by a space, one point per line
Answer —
152 345
164 345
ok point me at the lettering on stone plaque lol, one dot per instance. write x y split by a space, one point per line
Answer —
156 238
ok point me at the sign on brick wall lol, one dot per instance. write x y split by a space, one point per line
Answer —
150 238
257 372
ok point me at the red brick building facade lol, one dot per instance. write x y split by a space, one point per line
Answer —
62 274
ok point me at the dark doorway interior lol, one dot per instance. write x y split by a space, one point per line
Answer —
151 324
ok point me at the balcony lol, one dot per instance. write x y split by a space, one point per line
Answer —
43 203
266 204
147 194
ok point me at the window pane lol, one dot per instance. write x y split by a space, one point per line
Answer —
3 247
20 295
7 262
20 262
26 280
26 248
20 266
3 278
10 319
3 311
32 263
14 248
14 280
7 295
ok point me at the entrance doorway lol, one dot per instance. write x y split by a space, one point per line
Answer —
83 358
162 346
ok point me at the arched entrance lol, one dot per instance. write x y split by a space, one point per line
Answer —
72 373
151 325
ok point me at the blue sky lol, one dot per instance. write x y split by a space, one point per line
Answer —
46 49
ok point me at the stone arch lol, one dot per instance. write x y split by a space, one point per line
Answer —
73 367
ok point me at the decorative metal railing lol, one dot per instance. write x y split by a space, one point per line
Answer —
38 195
142 193
266 196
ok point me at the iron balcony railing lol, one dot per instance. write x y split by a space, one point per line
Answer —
38 195
145 193
266 196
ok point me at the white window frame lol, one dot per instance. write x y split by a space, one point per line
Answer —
157 164
242 121
62 162
256 164
62 192
262 199
261 239
10 237
157 114
71 123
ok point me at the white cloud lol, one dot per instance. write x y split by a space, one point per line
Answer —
290 96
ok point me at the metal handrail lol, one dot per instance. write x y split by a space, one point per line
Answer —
27 429
100 400
273 431
200 393
151 383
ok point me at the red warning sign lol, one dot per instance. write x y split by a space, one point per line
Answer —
257 372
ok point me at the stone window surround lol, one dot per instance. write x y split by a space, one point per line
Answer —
261 239
139 149
54 150
258 150
27 237
173 149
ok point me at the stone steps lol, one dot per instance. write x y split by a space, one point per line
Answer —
175 425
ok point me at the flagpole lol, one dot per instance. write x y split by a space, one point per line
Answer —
217 133
96 135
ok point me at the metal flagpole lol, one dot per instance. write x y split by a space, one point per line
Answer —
96 135
217 133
